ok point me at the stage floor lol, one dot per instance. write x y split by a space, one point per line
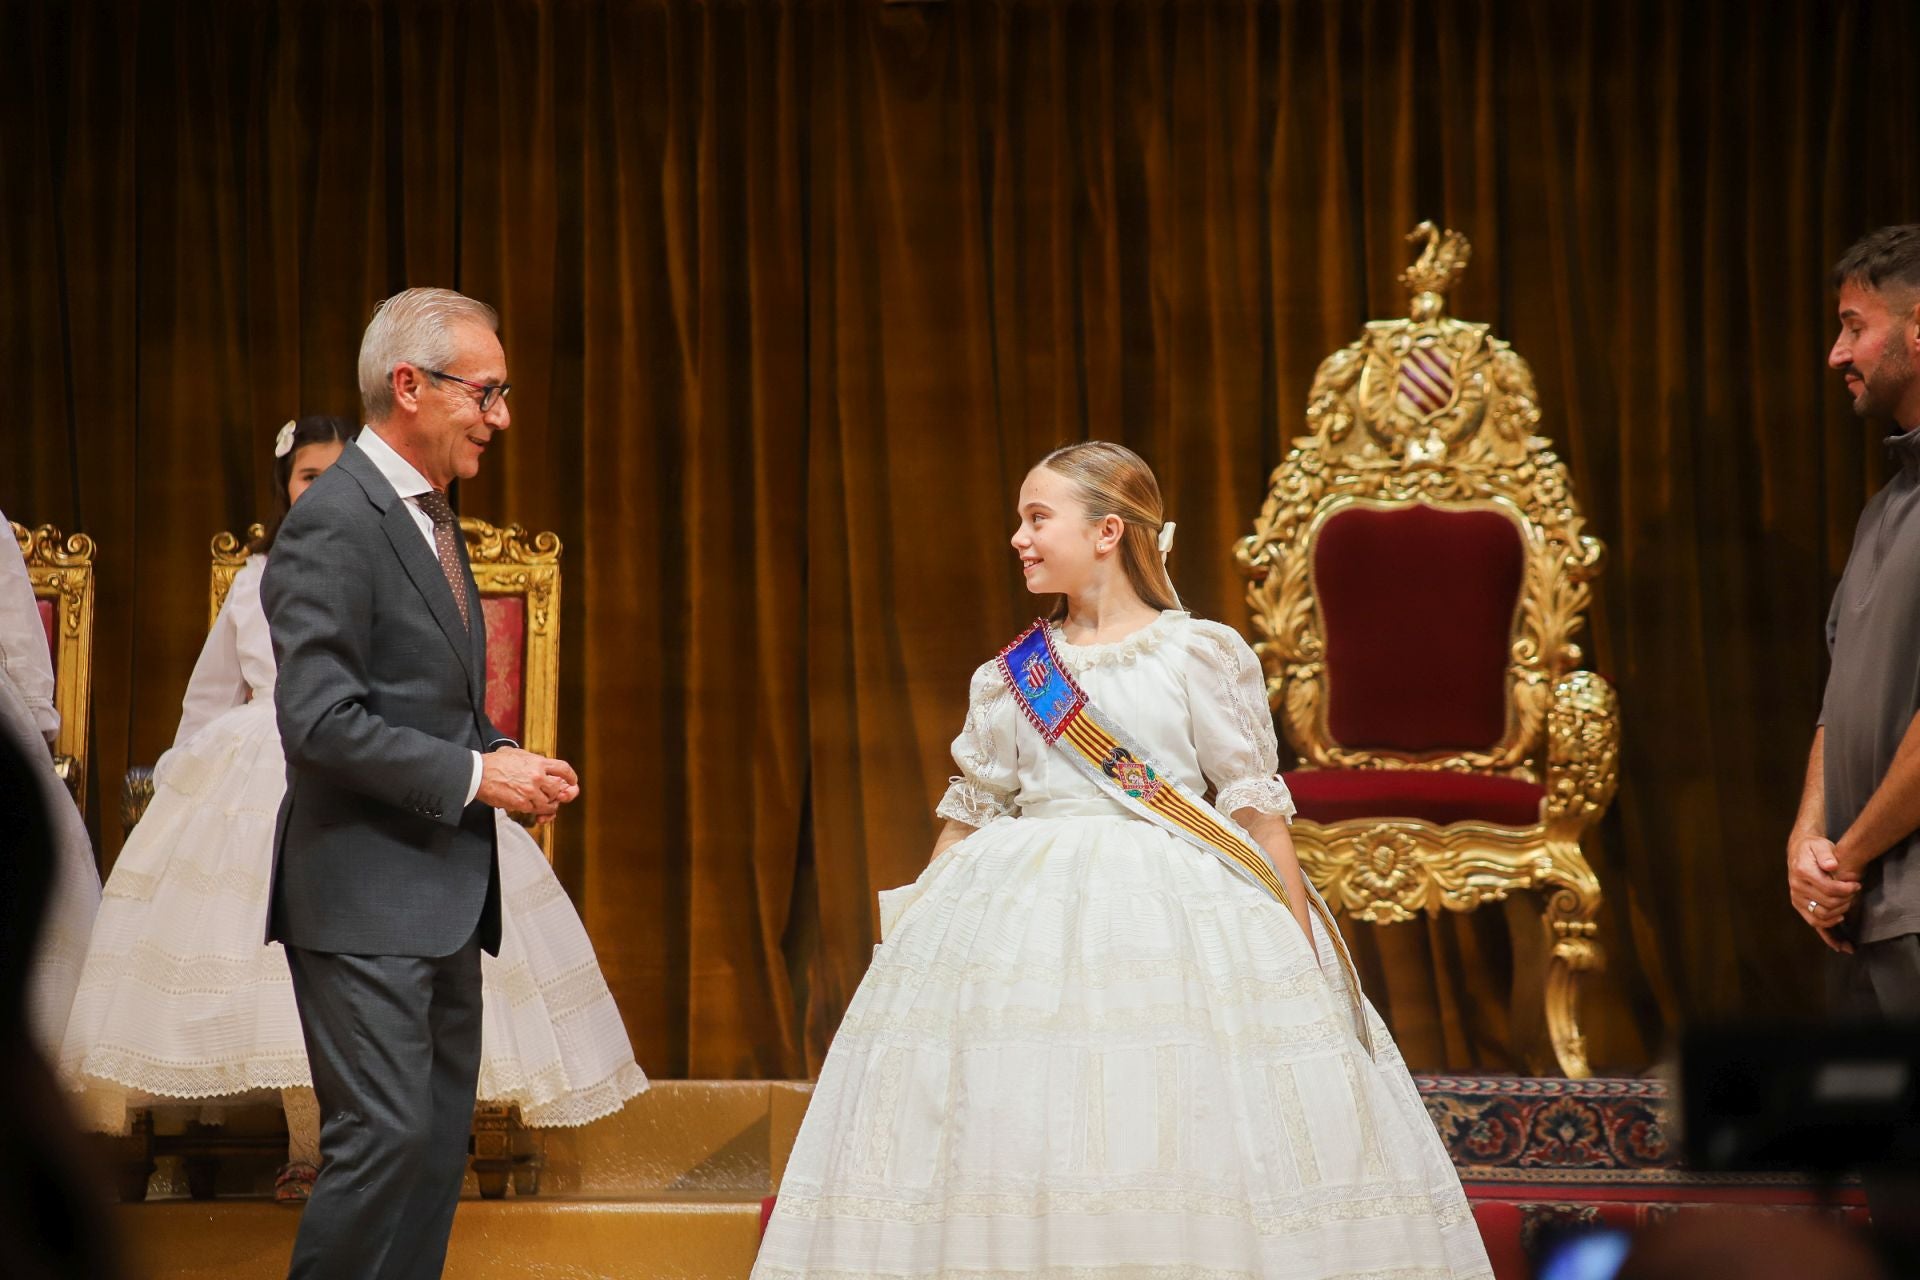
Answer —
673 1185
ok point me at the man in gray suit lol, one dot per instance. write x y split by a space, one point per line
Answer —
386 887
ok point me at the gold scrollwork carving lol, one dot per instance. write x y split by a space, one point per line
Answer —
1583 751
230 552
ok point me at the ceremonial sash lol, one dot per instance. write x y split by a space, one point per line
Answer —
1066 718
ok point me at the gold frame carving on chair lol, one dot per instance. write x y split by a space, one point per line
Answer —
509 561
1463 439
229 557
61 570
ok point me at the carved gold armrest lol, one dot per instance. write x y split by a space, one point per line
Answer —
1583 752
135 794
1583 772
67 769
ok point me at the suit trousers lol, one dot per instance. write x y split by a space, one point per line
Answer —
394 1045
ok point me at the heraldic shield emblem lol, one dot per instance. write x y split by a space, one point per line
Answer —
1419 389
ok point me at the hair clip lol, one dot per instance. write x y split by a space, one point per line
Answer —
1166 537
283 443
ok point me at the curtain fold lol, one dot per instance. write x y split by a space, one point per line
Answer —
794 292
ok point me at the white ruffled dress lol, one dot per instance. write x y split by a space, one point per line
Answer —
181 1002
1086 1049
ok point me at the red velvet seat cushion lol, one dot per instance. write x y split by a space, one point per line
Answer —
1335 795
506 618
1418 604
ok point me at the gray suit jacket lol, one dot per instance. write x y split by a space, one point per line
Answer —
380 699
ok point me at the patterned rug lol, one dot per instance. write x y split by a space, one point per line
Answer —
1541 1154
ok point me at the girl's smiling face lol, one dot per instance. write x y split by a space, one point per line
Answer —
1059 545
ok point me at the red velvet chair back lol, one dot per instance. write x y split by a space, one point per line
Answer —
47 620
1417 606
506 621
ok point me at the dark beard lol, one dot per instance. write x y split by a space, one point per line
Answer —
1883 390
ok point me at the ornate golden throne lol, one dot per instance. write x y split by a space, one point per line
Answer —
1417 574
519 578
61 571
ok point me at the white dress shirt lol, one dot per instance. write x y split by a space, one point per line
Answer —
24 658
410 484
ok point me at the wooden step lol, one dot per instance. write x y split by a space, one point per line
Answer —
664 1237
729 1138
726 1137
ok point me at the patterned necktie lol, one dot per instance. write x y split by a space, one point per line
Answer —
446 530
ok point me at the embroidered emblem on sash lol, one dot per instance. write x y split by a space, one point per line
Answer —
1135 777
1047 694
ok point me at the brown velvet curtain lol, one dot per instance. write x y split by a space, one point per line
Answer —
793 293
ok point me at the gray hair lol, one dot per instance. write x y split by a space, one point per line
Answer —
414 327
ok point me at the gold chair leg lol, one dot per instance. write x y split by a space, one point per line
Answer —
505 1153
529 1158
1572 903
492 1149
134 1165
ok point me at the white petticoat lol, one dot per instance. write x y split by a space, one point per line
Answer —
180 1000
1086 1049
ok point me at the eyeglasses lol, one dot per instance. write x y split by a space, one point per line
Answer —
490 392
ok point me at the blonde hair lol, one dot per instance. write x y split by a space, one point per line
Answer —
415 327
1113 480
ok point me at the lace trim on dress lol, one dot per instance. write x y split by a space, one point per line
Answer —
1267 795
1304 1212
1244 990
943 1028
1116 1271
145 1077
972 803
586 1104
162 973
1123 652
1231 661
974 749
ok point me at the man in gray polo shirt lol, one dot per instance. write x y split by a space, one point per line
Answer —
1852 869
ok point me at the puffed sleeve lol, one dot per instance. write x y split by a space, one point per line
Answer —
986 753
218 683
23 640
253 639
1232 724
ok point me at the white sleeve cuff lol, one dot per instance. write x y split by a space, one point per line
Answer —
970 802
1267 795
473 788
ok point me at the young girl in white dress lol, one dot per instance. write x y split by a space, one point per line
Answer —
1087 1047
181 1002
29 718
